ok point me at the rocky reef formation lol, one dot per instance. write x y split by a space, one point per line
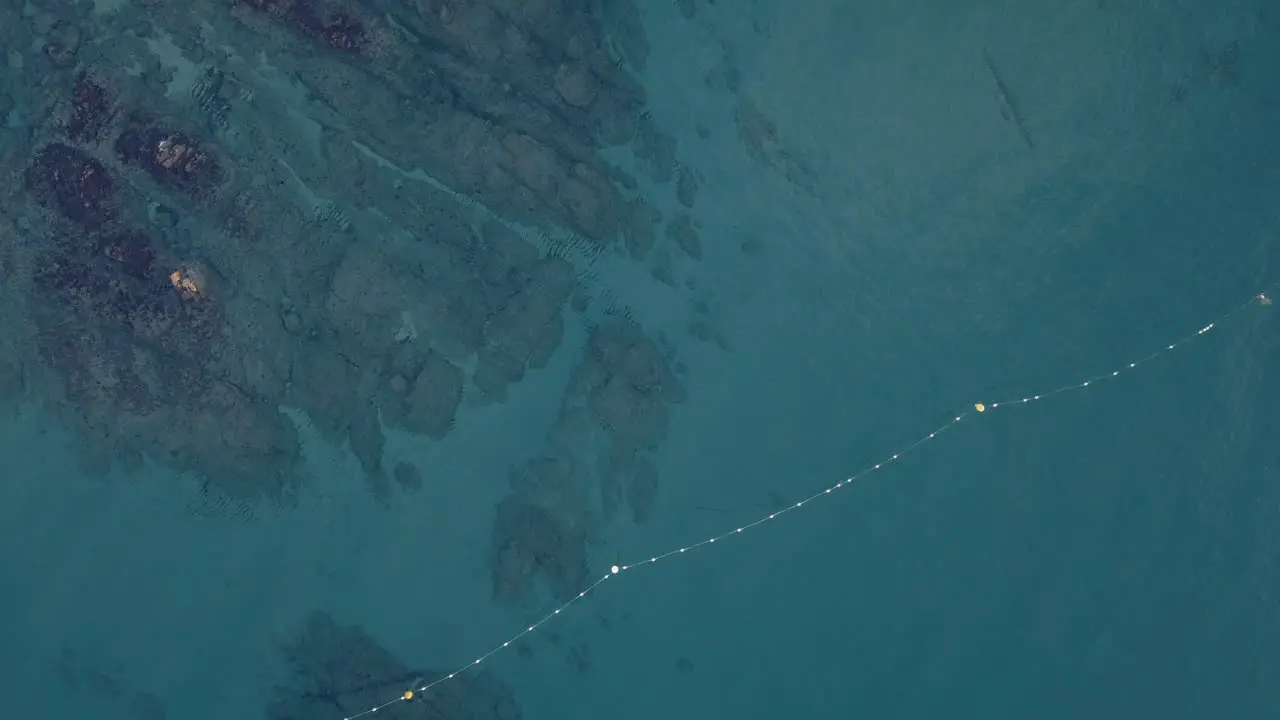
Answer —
226 215
129 324
598 456
384 220
339 671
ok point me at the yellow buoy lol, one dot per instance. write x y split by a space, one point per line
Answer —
408 695
979 407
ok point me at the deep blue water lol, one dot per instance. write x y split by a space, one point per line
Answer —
1107 551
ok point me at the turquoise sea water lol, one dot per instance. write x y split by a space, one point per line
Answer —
1107 552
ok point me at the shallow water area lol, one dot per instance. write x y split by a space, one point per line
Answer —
900 213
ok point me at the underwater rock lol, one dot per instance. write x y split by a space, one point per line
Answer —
555 484
530 543
142 306
685 235
243 446
757 131
577 85
686 187
527 320
323 382
364 433
75 184
541 531
659 150
339 31
133 252
407 476
627 384
506 263
638 232
496 369
432 404
364 295
91 110
615 409
341 670
337 28
62 44
171 158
